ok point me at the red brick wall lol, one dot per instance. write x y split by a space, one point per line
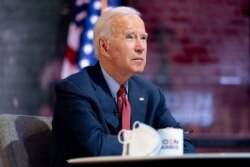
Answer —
198 52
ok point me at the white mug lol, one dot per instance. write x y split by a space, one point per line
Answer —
142 140
172 141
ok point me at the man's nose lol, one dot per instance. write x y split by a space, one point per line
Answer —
140 45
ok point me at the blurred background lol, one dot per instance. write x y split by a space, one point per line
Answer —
198 53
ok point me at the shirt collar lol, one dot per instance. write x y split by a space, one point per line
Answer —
112 84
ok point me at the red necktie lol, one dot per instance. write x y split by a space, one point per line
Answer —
124 107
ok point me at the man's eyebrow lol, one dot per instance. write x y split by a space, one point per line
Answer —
134 32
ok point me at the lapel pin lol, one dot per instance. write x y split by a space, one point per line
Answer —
141 98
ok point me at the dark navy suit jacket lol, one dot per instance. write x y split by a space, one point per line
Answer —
86 123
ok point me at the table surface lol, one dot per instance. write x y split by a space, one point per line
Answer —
119 159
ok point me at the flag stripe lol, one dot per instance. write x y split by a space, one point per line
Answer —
79 50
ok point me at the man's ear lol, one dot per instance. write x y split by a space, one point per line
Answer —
103 44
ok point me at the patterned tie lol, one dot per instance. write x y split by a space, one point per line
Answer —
124 107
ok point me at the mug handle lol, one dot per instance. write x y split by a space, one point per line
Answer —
124 142
120 136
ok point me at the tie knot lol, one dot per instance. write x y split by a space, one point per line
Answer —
122 91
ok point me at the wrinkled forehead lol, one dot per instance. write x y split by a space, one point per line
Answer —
127 22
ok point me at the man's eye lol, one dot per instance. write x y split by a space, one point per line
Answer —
130 37
144 38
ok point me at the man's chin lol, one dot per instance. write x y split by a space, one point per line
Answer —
138 71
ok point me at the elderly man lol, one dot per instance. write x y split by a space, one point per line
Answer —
87 119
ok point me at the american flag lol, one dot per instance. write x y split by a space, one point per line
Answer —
79 50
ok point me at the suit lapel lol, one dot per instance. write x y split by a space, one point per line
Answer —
108 107
107 103
138 100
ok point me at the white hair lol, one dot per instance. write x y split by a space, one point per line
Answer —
103 25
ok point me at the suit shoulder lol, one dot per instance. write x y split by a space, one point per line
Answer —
146 83
76 77
78 80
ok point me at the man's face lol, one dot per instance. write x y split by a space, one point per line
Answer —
127 47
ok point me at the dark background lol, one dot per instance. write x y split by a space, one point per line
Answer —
198 53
